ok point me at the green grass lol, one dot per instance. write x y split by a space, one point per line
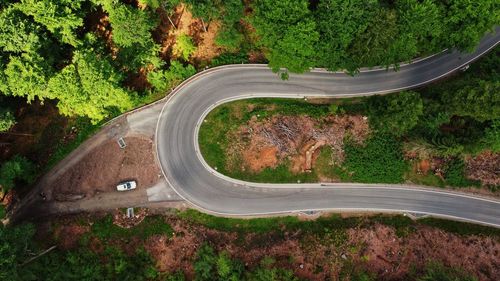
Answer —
428 179
461 228
325 167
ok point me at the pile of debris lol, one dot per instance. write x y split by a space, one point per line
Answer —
298 138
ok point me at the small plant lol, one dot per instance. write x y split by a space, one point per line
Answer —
184 46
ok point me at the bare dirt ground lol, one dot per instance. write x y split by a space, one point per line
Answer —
376 248
267 143
107 165
485 168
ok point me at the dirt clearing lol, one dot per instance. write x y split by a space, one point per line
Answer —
107 165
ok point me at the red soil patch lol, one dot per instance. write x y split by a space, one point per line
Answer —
266 157
106 165
485 168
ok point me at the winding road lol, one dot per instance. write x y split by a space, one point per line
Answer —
190 176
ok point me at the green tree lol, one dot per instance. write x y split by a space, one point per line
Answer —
228 269
61 17
420 24
27 76
288 33
7 119
163 80
17 32
184 46
478 99
491 138
229 35
207 10
395 114
137 56
89 86
466 22
377 44
339 23
130 25
17 168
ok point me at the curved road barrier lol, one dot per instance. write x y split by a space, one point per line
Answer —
189 175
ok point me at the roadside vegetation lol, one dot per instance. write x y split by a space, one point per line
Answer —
441 135
190 245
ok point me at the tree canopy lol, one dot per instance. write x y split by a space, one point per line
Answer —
288 33
89 86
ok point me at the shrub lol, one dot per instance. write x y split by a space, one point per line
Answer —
455 174
7 120
395 114
184 46
18 168
380 160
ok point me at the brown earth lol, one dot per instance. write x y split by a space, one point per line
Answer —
269 142
108 165
485 168
375 247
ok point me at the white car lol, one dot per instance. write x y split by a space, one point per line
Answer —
127 185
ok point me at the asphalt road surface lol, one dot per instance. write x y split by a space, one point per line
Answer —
190 176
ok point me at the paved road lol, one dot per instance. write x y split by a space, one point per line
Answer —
190 176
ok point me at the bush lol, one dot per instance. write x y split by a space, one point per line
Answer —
184 46
396 113
379 161
164 80
7 120
18 168
455 174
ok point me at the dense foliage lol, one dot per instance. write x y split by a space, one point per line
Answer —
339 34
17 168
379 160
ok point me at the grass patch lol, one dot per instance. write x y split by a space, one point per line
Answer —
324 166
258 225
104 229
461 228
280 174
402 224
428 179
